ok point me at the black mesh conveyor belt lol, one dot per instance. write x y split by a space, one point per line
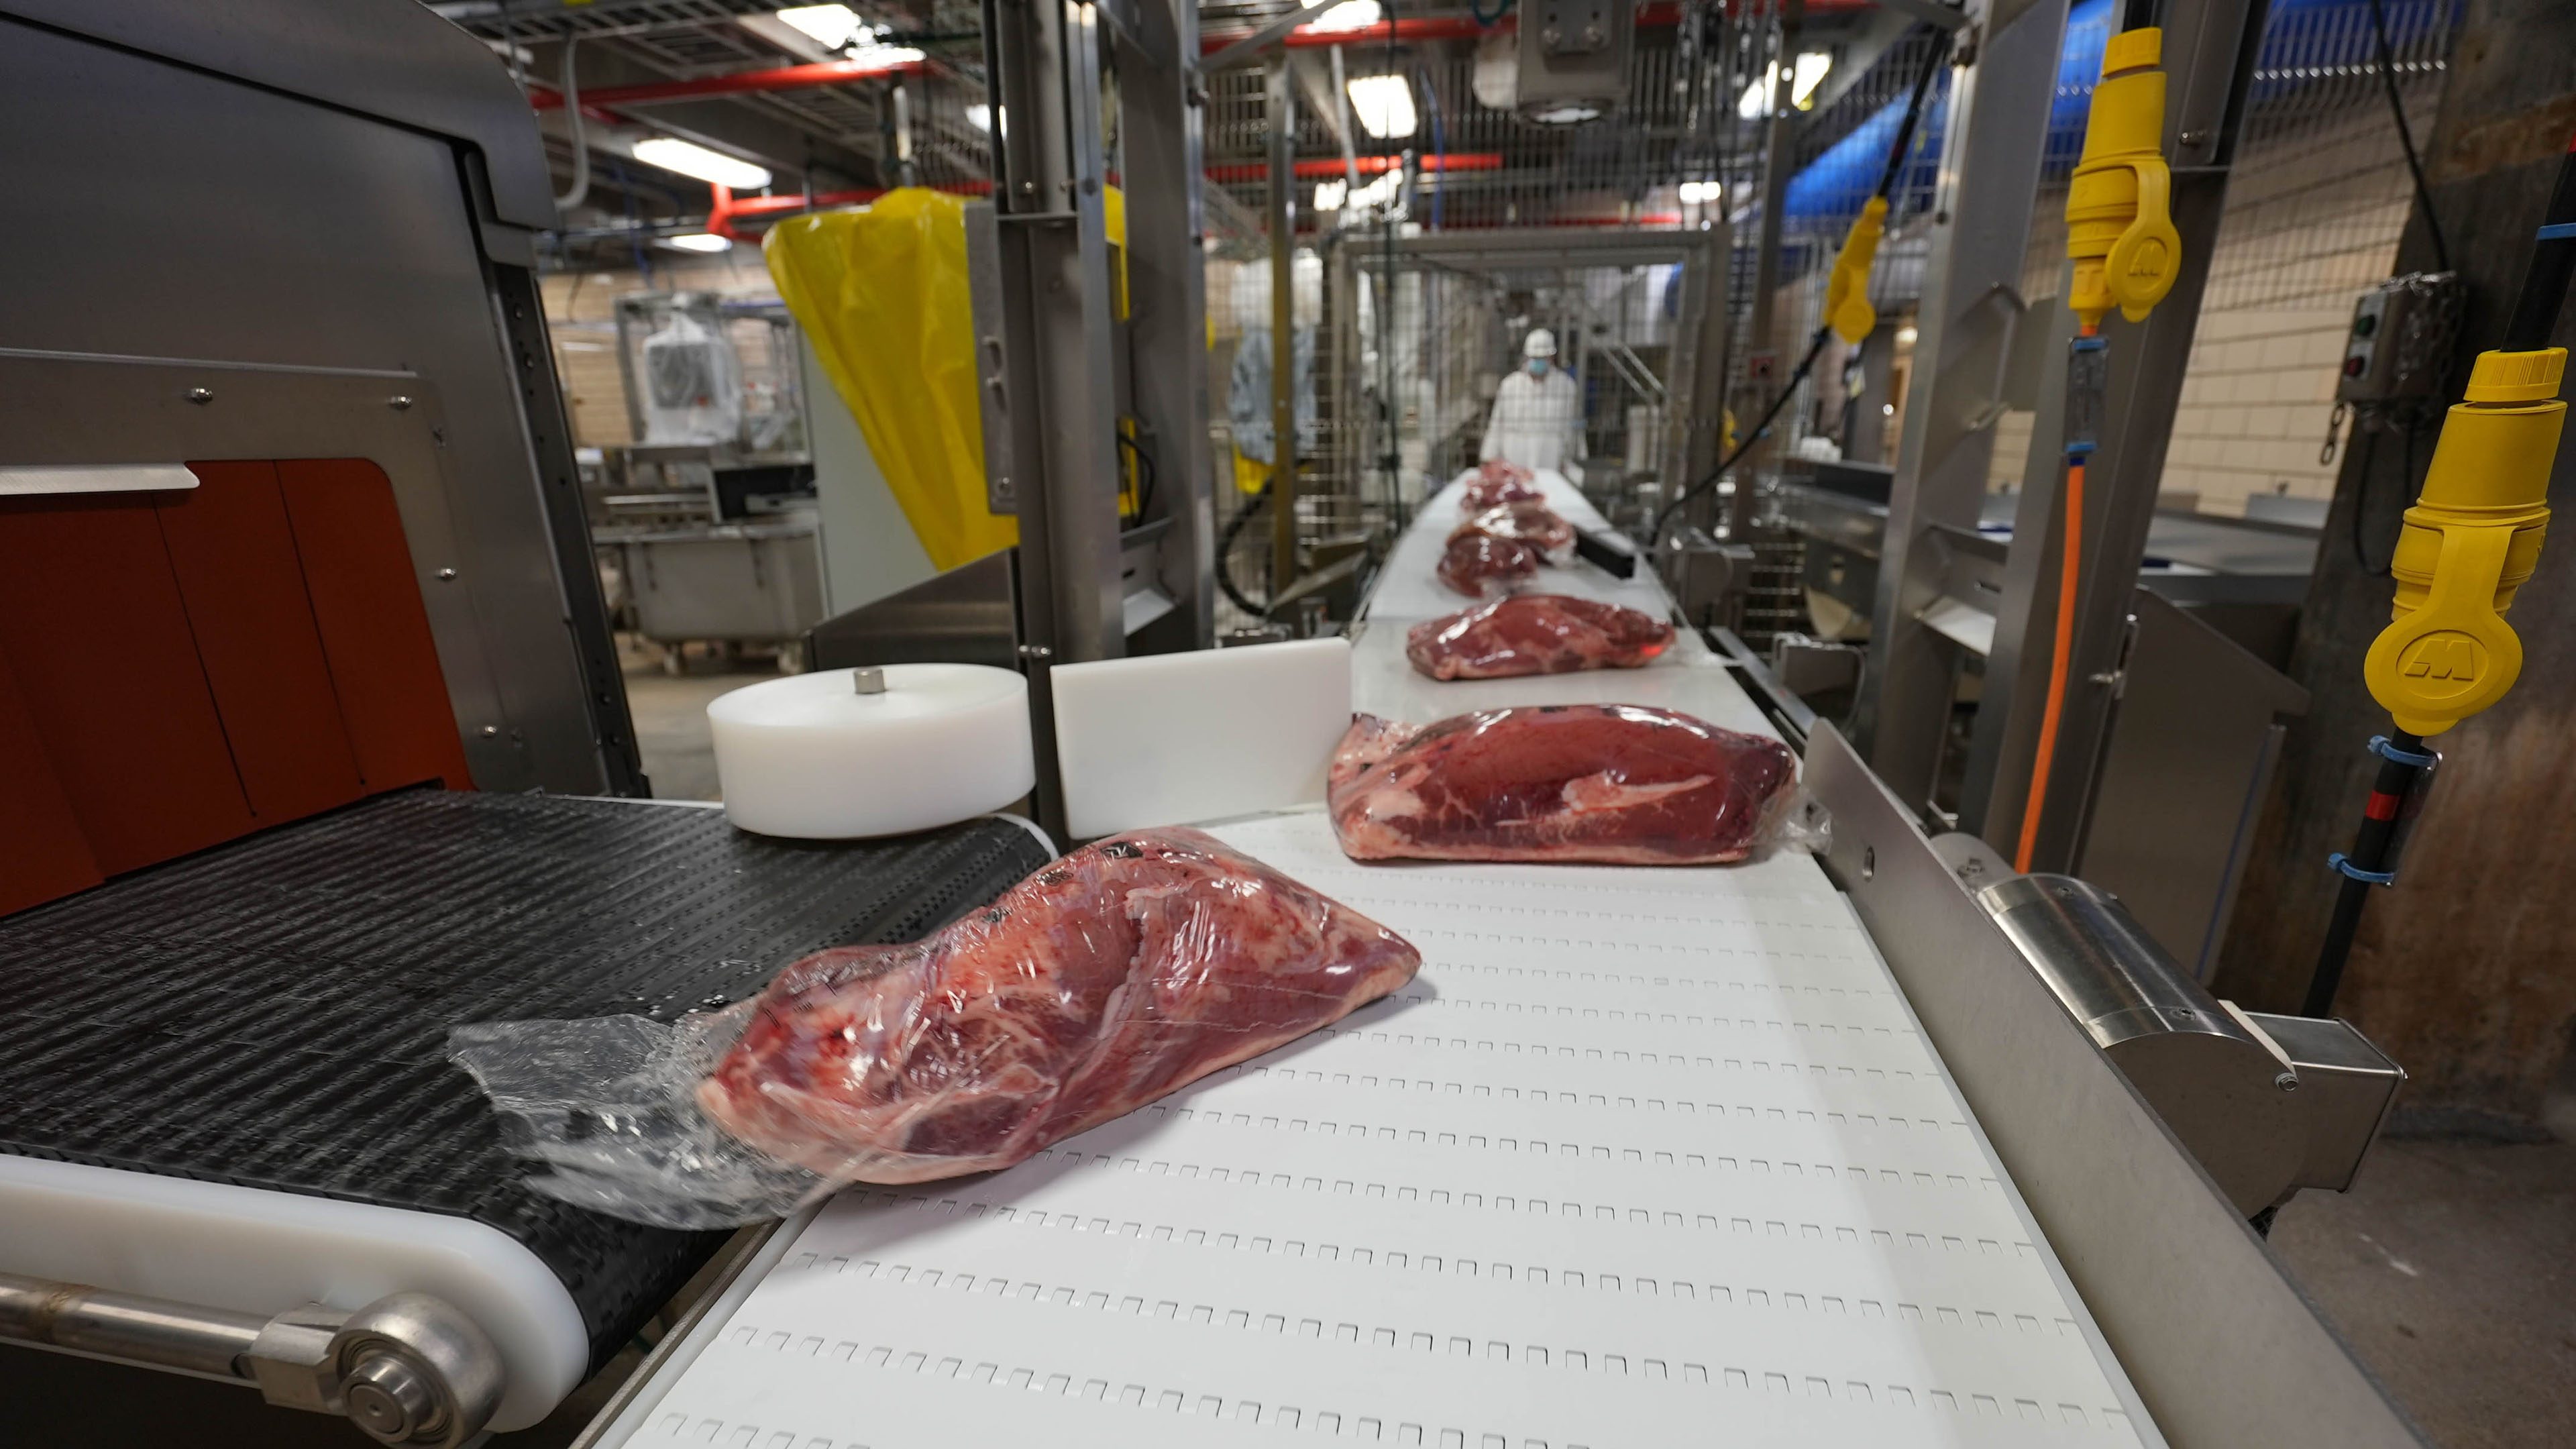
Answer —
274 1013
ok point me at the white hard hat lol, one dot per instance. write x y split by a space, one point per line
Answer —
1542 343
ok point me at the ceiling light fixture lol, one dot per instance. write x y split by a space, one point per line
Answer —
688 158
1566 115
831 26
1349 15
1698 193
1804 77
698 241
980 116
1384 105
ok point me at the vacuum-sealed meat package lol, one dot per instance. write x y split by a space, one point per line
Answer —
1528 521
1111 977
1491 488
1480 565
1535 634
1612 783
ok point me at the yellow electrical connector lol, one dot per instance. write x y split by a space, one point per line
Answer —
1847 308
2119 228
2469 542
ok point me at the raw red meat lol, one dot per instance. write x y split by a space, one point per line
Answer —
1117 974
1615 783
1491 490
1535 634
1479 564
1527 521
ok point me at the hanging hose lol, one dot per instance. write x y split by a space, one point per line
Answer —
580 141
2061 652
1225 552
2124 254
1861 246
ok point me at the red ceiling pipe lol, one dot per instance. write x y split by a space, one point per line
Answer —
1325 168
842 72
730 209
1433 27
741 82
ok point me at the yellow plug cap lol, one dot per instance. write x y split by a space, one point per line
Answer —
2137 49
2516 376
2471 540
1847 308
2119 224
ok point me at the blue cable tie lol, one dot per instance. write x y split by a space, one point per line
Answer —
2387 749
2558 231
2343 863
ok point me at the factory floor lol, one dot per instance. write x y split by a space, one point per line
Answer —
670 711
2450 1268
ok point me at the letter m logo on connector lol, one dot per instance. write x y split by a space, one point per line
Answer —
2443 656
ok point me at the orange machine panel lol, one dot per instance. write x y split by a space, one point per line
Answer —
43 853
235 557
93 627
366 600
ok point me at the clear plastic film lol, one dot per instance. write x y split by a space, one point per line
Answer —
1497 483
1482 566
1526 521
1613 784
1111 977
1535 634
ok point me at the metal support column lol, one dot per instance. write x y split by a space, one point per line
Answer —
1778 162
1695 419
1162 104
1283 327
2209 49
1997 129
1058 362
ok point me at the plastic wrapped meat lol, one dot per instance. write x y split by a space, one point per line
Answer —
1615 783
1528 521
1489 489
1535 634
1480 565
1113 976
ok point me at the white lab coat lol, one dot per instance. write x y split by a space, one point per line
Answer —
1537 422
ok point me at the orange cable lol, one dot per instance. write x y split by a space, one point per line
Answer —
2058 658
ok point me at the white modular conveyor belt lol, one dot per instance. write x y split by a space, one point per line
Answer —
1644 1157
1408 590
1688 677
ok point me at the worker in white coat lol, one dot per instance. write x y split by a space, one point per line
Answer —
1538 414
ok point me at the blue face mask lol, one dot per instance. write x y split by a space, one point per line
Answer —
1538 367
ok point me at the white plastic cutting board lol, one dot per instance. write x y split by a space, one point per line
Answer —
1198 736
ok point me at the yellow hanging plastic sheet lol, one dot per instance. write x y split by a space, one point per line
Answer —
881 292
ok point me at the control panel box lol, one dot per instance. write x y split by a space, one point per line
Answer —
2399 345
1574 55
